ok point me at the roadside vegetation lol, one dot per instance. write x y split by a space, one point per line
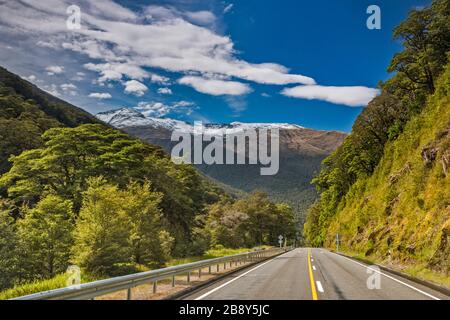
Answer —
386 190
61 280
88 195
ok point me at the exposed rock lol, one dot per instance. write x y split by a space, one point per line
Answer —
396 176
429 154
445 162
391 205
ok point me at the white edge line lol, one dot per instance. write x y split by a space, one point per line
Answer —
392 278
232 280
319 286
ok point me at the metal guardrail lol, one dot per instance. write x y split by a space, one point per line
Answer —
95 289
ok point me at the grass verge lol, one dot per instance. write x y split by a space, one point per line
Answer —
60 281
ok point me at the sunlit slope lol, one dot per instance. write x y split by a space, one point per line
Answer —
401 214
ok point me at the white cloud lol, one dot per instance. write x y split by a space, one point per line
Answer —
228 8
135 87
100 95
158 13
52 89
52 70
124 46
159 109
47 44
183 103
201 17
124 43
349 96
164 91
31 78
215 87
79 76
153 109
69 88
160 79
115 71
237 103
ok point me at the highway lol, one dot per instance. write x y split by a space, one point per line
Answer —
314 274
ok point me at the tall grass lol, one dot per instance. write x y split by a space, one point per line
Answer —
36 286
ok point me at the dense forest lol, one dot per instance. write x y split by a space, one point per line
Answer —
75 191
386 189
26 112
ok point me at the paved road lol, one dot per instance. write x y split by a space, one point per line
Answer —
305 274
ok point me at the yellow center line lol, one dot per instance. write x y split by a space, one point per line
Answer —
311 278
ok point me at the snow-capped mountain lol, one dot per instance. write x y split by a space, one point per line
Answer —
301 153
126 118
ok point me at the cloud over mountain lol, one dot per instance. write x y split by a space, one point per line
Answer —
349 96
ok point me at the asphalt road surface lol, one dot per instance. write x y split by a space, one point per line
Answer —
314 274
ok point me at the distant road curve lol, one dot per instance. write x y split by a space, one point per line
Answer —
314 274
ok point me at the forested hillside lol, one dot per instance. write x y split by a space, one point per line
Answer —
386 190
301 152
75 191
26 112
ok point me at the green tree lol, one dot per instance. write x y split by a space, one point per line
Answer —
426 41
70 156
102 230
45 237
150 245
249 222
9 258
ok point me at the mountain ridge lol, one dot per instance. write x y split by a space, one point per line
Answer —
301 153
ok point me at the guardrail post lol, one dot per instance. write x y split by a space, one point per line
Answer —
217 268
199 273
224 266
189 277
129 294
209 269
155 284
173 281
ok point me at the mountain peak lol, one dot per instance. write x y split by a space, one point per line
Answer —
128 117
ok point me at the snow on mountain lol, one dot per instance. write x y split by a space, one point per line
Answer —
127 117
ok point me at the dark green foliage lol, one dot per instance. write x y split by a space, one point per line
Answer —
26 112
71 156
119 230
76 191
45 238
249 222
426 40
9 260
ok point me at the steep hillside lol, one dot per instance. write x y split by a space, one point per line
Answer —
401 214
26 112
301 152
386 190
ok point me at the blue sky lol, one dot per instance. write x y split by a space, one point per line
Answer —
312 63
